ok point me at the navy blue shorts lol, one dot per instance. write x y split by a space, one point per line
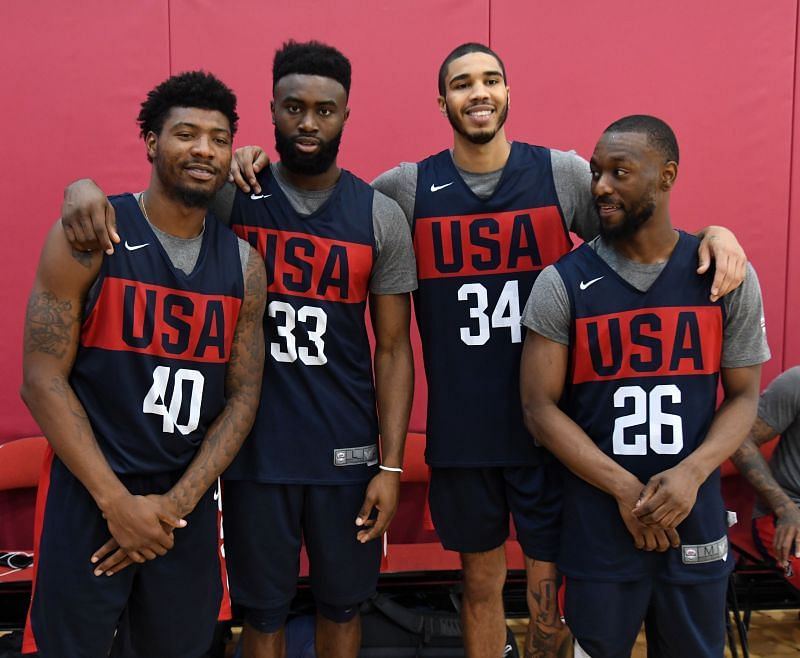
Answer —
171 603
680 620
264 527
470 508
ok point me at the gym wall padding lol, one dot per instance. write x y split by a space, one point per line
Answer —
723 73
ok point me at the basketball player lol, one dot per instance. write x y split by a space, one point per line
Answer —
619 381
143 370
312 465
487 216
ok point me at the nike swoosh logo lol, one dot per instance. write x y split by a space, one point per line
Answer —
134 247
436 188
584 286
256 197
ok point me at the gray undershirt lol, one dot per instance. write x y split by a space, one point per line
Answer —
548 312
394 270
184 252
570 175
779 407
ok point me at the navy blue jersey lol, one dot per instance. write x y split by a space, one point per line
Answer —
642 384
477 260
155 343
317 421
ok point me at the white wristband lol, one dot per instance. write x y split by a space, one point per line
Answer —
390 468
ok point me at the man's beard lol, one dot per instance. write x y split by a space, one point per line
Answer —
632 222
483 137
307 164
189 197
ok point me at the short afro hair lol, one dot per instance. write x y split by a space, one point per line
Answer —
311 58
460 51
659 135
191 89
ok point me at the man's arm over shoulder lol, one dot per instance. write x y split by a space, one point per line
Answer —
395 268
573 182
242 391
400 184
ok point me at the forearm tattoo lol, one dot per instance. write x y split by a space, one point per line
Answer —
243 385
49 324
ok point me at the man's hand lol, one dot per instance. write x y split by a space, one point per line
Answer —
647 538
245 164
787 534
141 526
382 494
668 497
115 559
730 262
88 218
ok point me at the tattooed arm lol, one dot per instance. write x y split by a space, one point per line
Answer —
52 326
242 393
231 427
754 468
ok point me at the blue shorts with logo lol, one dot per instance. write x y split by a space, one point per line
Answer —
681 621
265 525
171 603
470 507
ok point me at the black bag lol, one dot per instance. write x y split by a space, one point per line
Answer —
391 630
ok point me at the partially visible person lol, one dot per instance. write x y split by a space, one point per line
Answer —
487 216
776 518
324 459
143 369
619 381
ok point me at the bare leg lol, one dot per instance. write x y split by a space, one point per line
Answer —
546 632
338 640
256 644
482 614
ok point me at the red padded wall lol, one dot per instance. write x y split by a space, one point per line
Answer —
792 244
723 74
72 77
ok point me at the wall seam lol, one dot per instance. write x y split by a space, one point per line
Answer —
169 37
792 196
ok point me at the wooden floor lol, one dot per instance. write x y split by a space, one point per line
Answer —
773 634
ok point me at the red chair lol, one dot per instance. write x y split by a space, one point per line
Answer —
20 465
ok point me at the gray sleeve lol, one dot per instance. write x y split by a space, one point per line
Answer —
779 405
744 336
395 269
222 204
244 254
573 187
547 311
400 184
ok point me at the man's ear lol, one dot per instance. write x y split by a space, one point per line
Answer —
442 105
669 173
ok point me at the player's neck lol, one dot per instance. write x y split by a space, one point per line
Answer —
481 158
653 243
170 215
323 181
